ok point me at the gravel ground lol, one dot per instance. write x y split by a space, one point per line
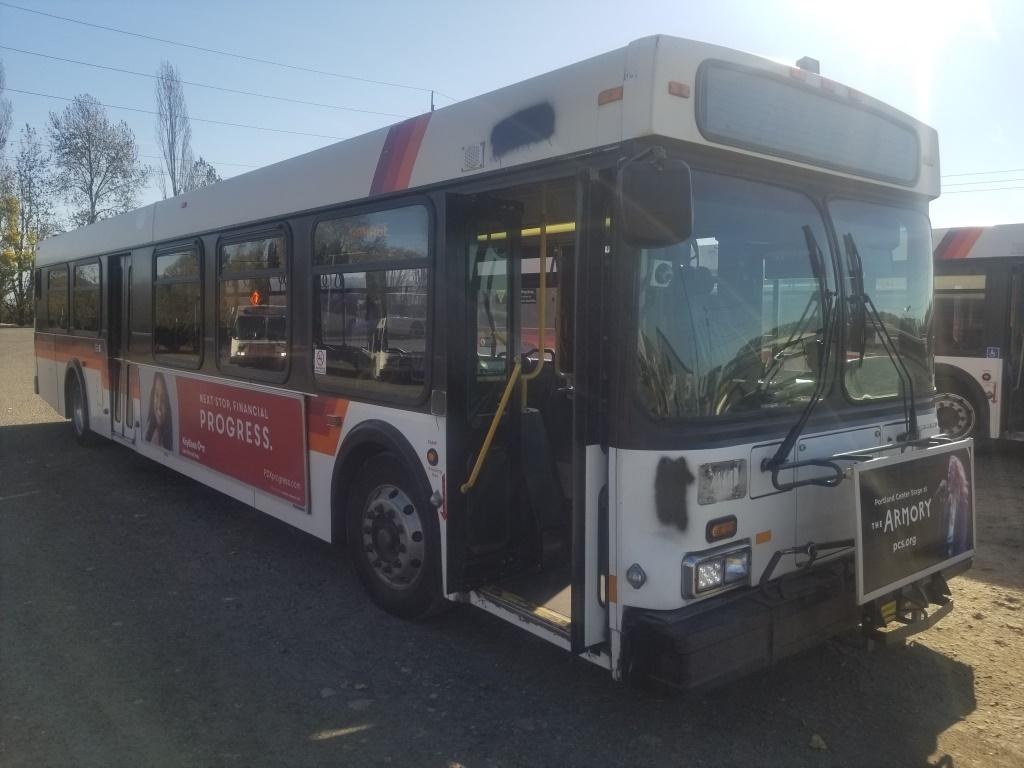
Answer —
147 620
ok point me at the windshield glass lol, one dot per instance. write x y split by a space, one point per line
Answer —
895 249
731 320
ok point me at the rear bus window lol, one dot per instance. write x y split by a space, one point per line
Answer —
57 298
252 331
177 307
371 283
86 306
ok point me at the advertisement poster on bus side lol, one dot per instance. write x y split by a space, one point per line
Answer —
253 436
915 516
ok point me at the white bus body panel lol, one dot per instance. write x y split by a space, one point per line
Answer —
790 518
976 368
456 143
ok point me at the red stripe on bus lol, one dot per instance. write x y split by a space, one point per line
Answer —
398 156
385 179
957 243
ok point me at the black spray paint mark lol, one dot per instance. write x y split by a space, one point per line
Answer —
525 127
670 483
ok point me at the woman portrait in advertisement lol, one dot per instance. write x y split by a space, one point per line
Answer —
957 496
160 421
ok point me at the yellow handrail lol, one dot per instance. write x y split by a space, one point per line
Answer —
493 428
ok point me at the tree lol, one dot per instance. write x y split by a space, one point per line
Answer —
29 218
202 175
5 112
97 161
173 128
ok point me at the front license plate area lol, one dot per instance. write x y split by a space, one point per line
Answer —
915 516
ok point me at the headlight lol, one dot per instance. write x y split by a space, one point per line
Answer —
710 574
714 570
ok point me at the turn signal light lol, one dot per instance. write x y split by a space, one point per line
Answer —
721 528
682 90
609 95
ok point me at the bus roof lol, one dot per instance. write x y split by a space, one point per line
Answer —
1001 241
640 90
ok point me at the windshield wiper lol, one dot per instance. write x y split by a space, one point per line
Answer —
861 295
778 461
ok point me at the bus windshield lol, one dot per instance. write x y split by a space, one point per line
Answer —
731 321
894 246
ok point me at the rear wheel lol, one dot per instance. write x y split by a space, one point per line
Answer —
393 538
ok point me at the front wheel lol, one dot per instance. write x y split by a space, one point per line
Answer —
958 417
394 539
78 411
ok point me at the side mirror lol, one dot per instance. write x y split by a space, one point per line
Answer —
655 200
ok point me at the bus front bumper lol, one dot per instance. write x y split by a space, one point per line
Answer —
719 640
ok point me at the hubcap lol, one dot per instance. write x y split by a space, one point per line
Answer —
393 537
956 415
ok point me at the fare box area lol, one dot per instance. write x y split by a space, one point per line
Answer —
915 516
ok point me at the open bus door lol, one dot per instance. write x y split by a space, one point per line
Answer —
482 239
1013 379
515 474
122 406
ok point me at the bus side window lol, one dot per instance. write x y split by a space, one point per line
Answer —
177 307
371 290
57 297
252 327
85 308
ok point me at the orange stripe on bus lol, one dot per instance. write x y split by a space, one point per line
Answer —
66 348
324 436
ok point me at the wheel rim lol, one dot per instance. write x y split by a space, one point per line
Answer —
393 537
956 415
78 409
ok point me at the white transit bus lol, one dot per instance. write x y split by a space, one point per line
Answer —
979 331
634 355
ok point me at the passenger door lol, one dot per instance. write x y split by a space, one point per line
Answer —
482 252
1013 377
122 404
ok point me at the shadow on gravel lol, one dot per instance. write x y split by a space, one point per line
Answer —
149 620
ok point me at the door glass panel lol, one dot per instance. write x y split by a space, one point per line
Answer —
491 321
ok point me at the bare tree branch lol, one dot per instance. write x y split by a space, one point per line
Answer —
29 212
97 161
173 129
5 111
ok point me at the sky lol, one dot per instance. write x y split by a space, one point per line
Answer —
955 65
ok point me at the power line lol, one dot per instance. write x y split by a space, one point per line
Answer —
993 189
212 162
160 157
201 85
194 119
295 67
988 181
985 173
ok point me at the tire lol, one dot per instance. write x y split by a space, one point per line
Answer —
393 538
78 411
959 415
